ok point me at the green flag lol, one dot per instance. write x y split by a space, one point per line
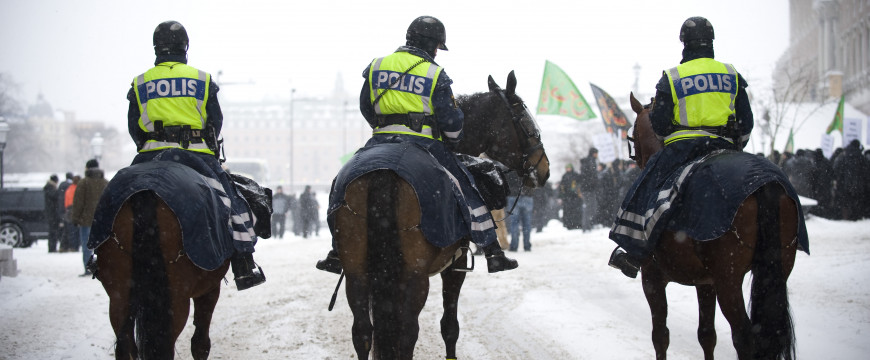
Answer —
837 123
789 145
559 95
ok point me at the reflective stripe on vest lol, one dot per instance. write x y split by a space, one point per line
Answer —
409 94
703 91
175 94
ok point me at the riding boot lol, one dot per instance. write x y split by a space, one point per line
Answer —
495 259
332 263
628 264
247 273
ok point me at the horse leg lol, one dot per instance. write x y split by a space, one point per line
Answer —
728 259
452 284
203 308
358 299
654 284
416 292
115 268
706 319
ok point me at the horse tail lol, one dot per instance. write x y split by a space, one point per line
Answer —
384 263
769 311
149 298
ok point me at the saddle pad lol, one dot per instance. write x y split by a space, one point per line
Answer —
204 220
701 199
441 203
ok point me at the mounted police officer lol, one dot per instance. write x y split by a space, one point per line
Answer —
406 97
174 107
700 106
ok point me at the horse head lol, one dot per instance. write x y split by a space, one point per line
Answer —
646 143
509 133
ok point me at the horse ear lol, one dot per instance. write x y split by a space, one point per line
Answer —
511 83
635 104
493 86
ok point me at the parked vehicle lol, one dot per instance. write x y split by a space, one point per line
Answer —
22 216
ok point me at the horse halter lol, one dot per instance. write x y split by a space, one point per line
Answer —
526 124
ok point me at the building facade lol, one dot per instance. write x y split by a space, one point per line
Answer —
828 54
303 140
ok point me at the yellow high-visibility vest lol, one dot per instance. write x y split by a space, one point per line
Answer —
175 94
703 91
411 93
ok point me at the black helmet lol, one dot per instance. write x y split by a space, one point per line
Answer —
427 30
696 28
170 37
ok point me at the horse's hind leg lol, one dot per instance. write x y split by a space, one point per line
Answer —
706 319
358 300
452 284
203 308
654 284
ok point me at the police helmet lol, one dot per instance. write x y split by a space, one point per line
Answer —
698 29
427 30
170 37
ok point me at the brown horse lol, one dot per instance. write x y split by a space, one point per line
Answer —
150 282
385 256
762 239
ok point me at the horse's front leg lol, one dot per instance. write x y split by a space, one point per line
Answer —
203 308
654 284
706 319
452 284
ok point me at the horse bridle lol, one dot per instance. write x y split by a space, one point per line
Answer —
530 130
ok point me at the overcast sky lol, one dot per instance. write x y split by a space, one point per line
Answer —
83 54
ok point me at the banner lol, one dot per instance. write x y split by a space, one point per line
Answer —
827 145
789 145
559 95
851 130
613 117
837 123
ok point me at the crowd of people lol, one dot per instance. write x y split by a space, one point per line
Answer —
69 210
839 184
304 213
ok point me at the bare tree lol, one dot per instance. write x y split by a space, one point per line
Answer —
783 103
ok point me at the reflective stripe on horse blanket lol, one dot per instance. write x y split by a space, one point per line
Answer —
700 199
445 213
204 219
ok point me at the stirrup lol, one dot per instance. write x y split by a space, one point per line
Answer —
464 251
331 264
247 281
620 260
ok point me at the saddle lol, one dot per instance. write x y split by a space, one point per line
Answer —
194 202
444 217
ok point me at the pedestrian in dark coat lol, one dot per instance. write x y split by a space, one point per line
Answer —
85 200
308 211
49 192
589 188
67 234
851 171
572 203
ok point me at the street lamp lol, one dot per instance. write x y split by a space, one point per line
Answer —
292 91
97 146
4 130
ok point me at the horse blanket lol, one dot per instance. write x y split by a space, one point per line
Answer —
204 219
445 211
699 199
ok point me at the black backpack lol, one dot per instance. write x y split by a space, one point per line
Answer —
490 178
260 200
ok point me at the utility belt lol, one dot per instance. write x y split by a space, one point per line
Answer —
729 131
413 121
181 134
